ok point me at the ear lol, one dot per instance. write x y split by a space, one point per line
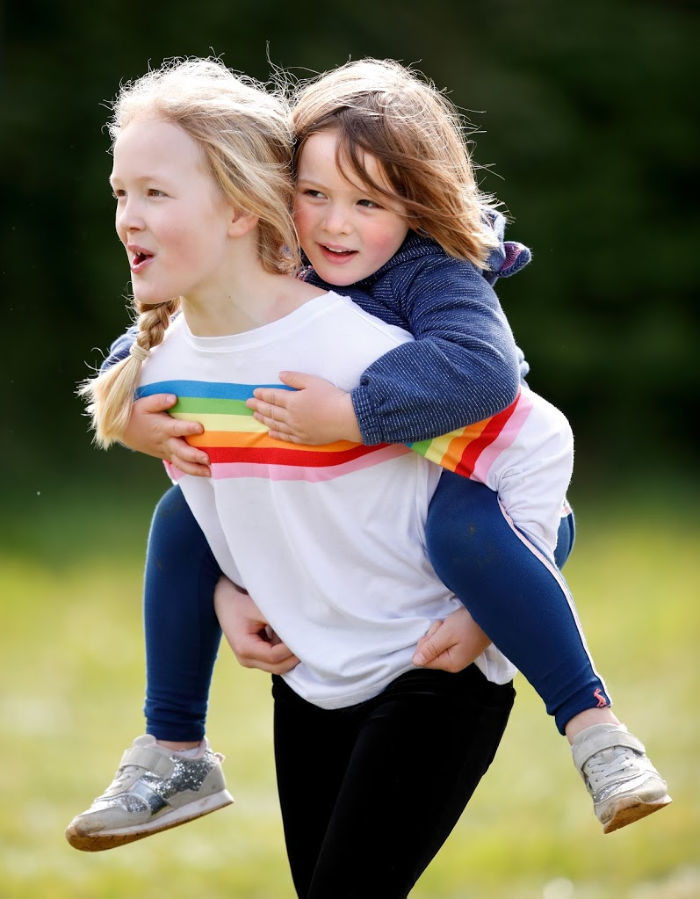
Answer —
241 223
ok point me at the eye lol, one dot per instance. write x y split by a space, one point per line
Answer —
118 193
154 192
312 193
370 204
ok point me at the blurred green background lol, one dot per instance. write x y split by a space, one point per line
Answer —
587 132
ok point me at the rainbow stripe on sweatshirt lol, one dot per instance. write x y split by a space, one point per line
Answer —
240 446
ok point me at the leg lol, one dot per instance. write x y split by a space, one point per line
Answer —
156 788
182 631
519 598
566 537
312 747
516 595
408 762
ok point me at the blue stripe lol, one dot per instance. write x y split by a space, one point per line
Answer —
210 389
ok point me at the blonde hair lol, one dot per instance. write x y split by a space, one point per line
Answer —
245 134
417 136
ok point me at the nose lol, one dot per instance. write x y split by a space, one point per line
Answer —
336 219
129 216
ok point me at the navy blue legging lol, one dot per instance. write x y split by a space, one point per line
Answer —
515 594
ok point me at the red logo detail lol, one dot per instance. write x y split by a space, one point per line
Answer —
602 701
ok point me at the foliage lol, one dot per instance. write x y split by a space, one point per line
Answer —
584 112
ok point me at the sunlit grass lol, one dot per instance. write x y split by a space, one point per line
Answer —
72 688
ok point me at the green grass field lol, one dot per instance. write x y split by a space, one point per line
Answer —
71 662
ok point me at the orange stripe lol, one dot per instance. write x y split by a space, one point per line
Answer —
261 440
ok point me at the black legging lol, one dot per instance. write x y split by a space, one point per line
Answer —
369 793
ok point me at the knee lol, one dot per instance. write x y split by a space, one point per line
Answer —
464 528
174 523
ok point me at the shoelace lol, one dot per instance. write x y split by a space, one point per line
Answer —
618 762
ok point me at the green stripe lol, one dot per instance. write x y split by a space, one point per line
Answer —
202 405
420 446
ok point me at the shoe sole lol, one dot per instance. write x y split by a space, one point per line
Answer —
97 842
631 809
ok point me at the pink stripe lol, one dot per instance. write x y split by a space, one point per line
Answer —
510 431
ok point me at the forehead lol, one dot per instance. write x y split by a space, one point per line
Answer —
323 155
154 145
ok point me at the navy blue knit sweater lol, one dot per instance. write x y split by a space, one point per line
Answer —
464 365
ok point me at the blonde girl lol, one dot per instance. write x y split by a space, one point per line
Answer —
343 580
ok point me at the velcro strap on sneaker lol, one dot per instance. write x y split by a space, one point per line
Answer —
603 737
154 800
150 758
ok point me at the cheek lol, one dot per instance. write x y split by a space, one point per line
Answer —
180 243
386 242
303 220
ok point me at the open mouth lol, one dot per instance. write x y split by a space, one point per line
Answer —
139 259
337 252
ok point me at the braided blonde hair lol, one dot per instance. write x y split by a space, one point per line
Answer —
245 134
417 136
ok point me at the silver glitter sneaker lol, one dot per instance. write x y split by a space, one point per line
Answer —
624 784
153 790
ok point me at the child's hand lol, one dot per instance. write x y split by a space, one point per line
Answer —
153 432
316 412
452 644
253 642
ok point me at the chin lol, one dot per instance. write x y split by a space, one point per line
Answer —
336 279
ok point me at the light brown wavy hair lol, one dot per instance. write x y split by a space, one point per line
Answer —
417 135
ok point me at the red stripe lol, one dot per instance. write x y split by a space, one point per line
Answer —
305 458
473 450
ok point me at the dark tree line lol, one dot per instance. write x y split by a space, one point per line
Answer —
587 134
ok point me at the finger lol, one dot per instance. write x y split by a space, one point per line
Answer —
281 653
296 379
434 627
265 416
276 659
431 648
287 665
445 661
270 395
281 435
158 402
180 449
184 428
200 471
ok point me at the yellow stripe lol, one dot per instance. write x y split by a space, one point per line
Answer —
213 422
451 446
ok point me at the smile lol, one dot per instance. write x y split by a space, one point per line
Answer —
338 254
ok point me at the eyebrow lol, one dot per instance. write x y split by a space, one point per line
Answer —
140 180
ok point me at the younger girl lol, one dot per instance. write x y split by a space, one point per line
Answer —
201 180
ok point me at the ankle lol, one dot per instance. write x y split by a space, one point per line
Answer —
589 718
179 745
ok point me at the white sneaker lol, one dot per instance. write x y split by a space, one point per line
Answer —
624 784
153 790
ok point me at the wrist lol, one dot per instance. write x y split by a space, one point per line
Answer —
350 427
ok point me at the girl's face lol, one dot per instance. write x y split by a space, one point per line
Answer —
171 216
346 231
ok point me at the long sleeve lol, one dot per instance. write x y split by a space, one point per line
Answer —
120 348
462 367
